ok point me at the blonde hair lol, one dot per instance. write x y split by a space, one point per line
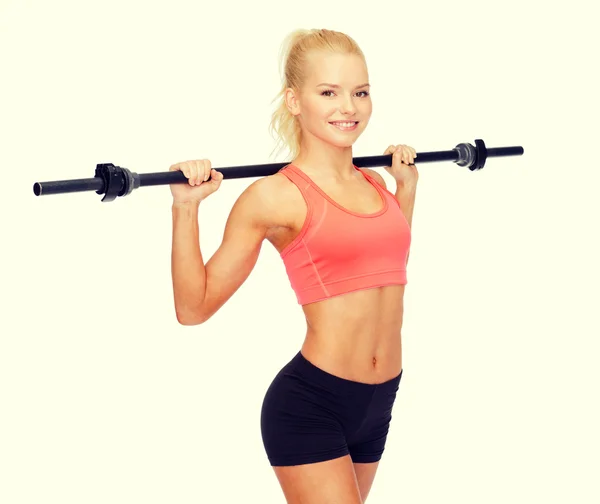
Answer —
292 60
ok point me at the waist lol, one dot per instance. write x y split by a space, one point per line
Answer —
363 314
359 363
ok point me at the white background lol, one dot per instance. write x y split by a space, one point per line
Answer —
105 398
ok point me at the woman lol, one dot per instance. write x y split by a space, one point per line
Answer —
344 239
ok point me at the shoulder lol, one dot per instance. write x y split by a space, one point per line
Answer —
269 191
373 174
266 199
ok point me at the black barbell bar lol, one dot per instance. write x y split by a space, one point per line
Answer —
116 181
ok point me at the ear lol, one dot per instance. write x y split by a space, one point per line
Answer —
291 101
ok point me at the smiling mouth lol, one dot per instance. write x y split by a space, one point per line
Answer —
345 125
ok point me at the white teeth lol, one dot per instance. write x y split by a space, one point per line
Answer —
345 124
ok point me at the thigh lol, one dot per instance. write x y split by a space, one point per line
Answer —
365 474
328 481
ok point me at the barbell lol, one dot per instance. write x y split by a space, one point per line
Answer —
116 181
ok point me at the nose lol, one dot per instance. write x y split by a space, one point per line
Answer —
348 107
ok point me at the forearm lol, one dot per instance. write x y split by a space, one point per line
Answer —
405 194
187 266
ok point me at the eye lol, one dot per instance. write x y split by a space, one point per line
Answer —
365 93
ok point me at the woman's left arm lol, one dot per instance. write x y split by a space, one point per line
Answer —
405 194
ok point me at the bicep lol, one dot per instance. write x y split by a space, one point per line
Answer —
234 260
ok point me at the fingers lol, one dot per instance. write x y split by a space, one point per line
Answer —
190 171
207 169
405 153
216 178
390 150
413 154
184 168
408 154
197 171
200 171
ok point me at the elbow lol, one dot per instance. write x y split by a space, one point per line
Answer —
188 321
188 318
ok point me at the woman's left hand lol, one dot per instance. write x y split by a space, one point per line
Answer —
403 170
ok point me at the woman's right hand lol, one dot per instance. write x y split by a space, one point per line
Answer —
197 172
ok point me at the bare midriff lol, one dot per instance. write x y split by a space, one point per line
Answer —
357 336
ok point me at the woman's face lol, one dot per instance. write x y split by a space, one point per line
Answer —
336 91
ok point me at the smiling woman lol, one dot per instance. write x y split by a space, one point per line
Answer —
347 81
344 239
326 415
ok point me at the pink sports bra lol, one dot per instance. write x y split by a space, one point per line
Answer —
339 251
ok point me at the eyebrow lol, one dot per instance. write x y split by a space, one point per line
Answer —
337 87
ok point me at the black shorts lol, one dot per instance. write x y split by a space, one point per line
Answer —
309 415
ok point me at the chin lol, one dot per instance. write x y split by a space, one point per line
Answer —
343 143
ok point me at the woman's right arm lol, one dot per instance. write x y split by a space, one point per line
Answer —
201 289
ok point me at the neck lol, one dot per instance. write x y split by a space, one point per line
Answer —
329 161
